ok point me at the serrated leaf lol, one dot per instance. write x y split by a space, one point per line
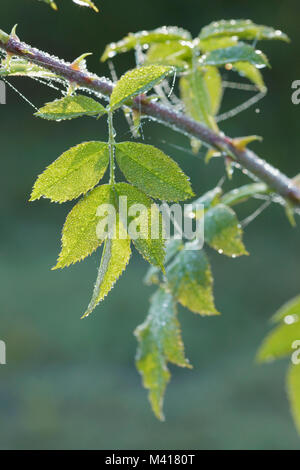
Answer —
195 95
223 232
172 53
289 309
251 72
152 171
159 35
279 342
71 107
190 280
173 246
115 257
79 236
137 81
151 248
242 52
244 29
160 342
74 173
293 389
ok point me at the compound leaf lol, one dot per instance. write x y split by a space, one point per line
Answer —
190 280
160 342
223 232
79 236
75 172
71 107
152 171
115 257
137 81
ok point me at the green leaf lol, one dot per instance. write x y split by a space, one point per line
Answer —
194 93
172 53
51 3
293 388
151 248
213 82
71 107
159 35
190 280
152 171
289 309
137 81
251 72
173 246
210 44
243 193
79 237
223 232
240 53
160 342
209 199
244 29
75 172
87 3
279 342
115 257
20 67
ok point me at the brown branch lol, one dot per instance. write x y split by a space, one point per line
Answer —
276 180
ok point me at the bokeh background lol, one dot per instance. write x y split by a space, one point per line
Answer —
72 384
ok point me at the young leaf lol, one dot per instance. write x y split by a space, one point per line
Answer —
279 343
79 237
75 172
194 93
223 232
160 342
289 309
153 172
159 35
243 193
172 53
242 52
137 81
115 257
140 220
190 280
293 388
251 72
23 68
71 107
244 29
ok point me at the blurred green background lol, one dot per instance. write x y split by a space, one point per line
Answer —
71 383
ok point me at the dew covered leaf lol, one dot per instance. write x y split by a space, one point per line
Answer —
137 81
244 29
247 70
199 98
279 343
71 107
115 257
241 52
223 232
79 236
293 389
152 171
243 193
159 342
173 246
23 68
290 308
142 211
159 35
74 173
172 53
190 280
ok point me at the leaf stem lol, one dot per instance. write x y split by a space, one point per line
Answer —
277 181
111 144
